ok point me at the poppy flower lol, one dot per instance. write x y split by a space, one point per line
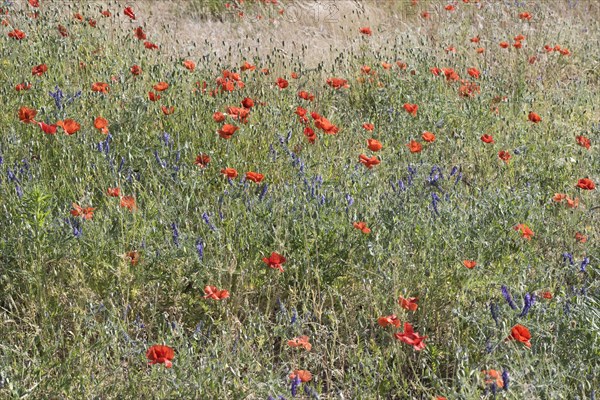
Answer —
305 95
409 304
85 213
366 31
34 3
580 237
533 117
572 203
525 16
310 134
474 72
428 137
227 131
374 145
525 231
301 341
411 109
558 197
389 320
326 126
189 65
338 83
565 52
101 124
238 113
113 192
17 34
159 354
548 48
247 66
504 45
100 87
583 141
301 374
265 71
161 86
365 69
517 45
135 70
414 146
133 257
475 39
218 116
282 83
368 127
385 65
546 295
167 110
449 7
519 38
401 65
23 86
129 12
520 334
128 202
586 184
425 15
435 71
362 226
451 49
62 31
27 115
248 103
470 264
150 45
47 129
504 155
254 177
139 33
275 261
78 17
493 377
202 160
39 70
153 96
106 13
480 50
410 337
368 162
487 138
230 173
211 292
69 125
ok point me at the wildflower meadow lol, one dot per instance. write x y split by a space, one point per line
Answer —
298 199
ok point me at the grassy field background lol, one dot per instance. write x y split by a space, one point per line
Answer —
78 315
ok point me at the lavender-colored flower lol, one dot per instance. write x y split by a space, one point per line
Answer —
349 199
494 312
435 175
505 380
508 298
458 178
57 96
584 263
206 219
19 191
567 307
568 256
294 316
434 202
322 200
401 185
295 383
263 192
200 249
160 162
528 300
454 171
165 138
175 234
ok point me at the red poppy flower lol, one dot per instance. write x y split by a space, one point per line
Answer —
161 86
326 126
129 12
525 16
69 125
247 66
128 202
39 70
92 22
401 65
572 203
303 375
301 341
47 129
580 237
504 155
17 34
449 7
525 231
435 71
159 354
85 213
227 131
167 110
275 261
101 124
139 33
411 109
368 162
62 31
189 65
211 292
451 49
362 226
470 264
586 184
368 127
34 3
428 137
153 96
310 134
254 177
493 377
475 39
78 17
282 83
100 87
133 257
202 160
410 337
374 145
27 115
265 71
504 45
409 304
113 192
366 31
519 38
385 65
248 103
389 320
558 197
414 146
106 13
520 334
23 86
150 45
480 50
238 113
546 295
487 138
338 83
230 173
565 52
425 15
305 95
474 72
533 117
136 70
517 45
583 141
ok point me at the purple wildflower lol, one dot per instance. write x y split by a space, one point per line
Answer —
505 379
200 249
529 299
508 298
175 234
